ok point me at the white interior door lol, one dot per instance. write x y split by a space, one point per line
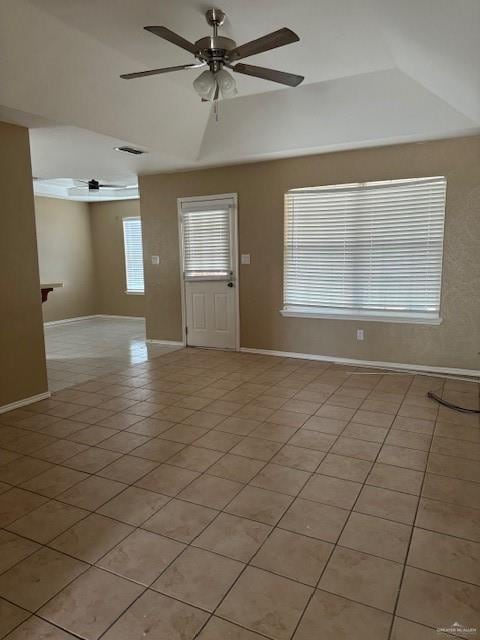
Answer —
209 256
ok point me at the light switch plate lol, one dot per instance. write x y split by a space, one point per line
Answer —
155 259
245 259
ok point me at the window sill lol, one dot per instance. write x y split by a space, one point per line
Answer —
135 293
335 314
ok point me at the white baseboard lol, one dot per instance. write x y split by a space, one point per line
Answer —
67 320
23 403
167 343
98 315
415 368
106 315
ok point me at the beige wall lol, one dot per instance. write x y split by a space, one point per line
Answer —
107 236
65 255
260 188
22 356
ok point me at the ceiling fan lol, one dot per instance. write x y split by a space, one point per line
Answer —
95 185
218 52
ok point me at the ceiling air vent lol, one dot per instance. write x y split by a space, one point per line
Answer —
132 150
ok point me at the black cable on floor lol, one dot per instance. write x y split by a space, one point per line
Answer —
450 405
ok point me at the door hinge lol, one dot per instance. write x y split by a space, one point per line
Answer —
186 331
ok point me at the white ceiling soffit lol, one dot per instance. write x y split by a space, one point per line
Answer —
377 71
69 189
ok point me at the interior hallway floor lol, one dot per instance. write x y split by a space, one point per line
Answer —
85 349
226 496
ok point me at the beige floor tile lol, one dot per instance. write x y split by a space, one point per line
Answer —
218 629
451 490
313 440
15 503
331 411
447 518
365 432
23 469
344 467
373 418
293 556
147 409
86 607
314 519
274 432
282 479
55 481
92 492
134 505
396 478
406 630
354 448
195 458
157 450
377 536
211 491
199 578
175 414
93 415
452 467
231 536
183 433
37 629
91 538
410 439
141 556
63 428
4 487
444 554
150 427
259 504
13 549
255 412
167 479
203 419
48 521
120 421
436 601
331 616
10 617
159 616
127 469
363 578
256 448
218 441
92 435
8 456
180 520
59 451
238 426
414 424
36 579
403 457
92 460
236 468
266 603
298 458
123 442
392 505
330 490
223 408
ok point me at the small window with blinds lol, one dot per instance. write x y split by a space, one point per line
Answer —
207 240
369 250
132 240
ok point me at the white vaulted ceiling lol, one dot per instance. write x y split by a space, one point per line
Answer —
376 72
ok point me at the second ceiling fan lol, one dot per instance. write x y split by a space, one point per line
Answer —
217 52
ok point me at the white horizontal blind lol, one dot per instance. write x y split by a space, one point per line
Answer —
371 247
206 240
132 240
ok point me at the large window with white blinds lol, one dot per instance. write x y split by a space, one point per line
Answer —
132 241
371 250
207 239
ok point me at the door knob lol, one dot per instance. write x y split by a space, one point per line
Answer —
230 284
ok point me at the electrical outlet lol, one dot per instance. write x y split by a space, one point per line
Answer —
360 334
245 258
155 259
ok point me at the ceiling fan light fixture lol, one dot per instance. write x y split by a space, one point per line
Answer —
205 85
226 84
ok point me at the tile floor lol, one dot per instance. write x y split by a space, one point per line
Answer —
83 350
225 496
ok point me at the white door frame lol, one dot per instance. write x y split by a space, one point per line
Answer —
219 196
